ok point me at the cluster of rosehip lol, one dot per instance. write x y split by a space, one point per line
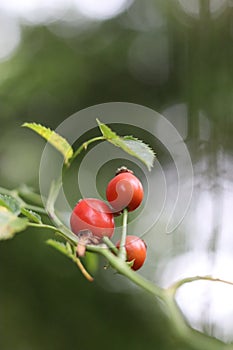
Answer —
92 219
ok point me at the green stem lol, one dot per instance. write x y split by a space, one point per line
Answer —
175 286
122 250
35 208
55 229
180 328
123 268
49 227
83 270
183 332
15 194
8 192
29 195
85 145
53 194
110 245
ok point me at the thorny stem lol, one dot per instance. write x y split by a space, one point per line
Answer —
123 268
179 326
181 329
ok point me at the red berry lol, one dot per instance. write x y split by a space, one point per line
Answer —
124 191
94 215
135 250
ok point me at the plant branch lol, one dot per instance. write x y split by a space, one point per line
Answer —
123 268
183 332
175 286
179 326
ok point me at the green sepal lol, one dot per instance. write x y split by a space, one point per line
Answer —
63 248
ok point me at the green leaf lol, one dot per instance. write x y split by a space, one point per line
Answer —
10 203
10 223
61 247
31 215
56 140
130 145
106 131
139 149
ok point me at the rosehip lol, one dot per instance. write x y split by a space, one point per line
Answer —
135 250
124 191
93 215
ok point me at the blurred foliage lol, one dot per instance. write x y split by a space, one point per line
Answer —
157 54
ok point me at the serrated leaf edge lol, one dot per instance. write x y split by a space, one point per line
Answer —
33 214
41 129
117 138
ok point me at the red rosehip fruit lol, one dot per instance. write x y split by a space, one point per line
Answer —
135 250
93 215
124 191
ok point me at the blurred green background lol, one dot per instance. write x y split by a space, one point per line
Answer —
56 59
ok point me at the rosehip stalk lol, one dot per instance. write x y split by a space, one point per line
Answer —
122 250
